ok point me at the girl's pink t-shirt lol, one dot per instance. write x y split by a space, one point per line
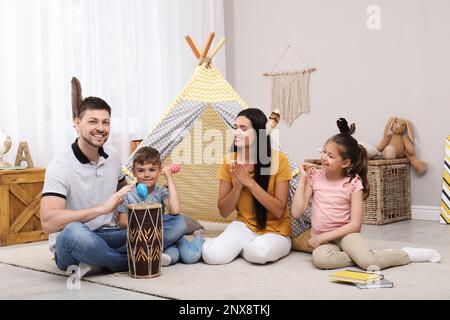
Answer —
331 201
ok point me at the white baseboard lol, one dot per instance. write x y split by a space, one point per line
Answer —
425 213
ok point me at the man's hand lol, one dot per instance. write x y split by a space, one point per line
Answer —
115 200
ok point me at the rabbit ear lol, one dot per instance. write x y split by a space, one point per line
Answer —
410 131
389 125
76 97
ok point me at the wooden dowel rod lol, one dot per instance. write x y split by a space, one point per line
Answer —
268 74
217 47
194 48
197 47
208 44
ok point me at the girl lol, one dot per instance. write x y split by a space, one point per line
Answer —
254 180
337 192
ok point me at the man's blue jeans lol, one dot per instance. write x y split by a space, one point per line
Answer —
107 247
103 247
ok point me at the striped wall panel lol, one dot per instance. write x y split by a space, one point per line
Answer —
445 200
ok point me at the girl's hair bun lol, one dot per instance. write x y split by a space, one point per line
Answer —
344 128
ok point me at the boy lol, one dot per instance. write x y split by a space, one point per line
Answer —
147 168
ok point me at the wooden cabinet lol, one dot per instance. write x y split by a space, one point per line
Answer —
20 196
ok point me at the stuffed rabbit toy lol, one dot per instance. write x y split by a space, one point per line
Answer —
398 145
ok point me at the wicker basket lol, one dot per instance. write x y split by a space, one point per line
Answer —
390 191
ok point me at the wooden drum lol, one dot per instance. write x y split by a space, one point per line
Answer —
144 240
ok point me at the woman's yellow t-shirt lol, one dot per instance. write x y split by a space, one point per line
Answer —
280 171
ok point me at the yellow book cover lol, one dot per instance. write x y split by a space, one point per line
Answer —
355 276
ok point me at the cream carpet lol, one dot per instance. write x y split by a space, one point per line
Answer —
293 277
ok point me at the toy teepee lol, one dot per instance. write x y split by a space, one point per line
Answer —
207 104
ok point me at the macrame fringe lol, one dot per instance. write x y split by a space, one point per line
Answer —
290 93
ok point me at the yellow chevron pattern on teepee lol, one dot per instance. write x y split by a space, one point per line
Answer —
197 185
445 198
206 85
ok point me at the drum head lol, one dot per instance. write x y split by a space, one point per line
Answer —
144 206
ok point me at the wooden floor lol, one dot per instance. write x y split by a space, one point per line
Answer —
19 283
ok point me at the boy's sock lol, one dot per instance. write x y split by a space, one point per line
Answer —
191 251
199 232
165 260
422 254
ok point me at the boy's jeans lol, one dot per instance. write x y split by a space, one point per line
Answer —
107 247
177 246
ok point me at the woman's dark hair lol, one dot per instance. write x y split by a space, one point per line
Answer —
356 153
263 155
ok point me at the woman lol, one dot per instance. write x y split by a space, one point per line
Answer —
254 180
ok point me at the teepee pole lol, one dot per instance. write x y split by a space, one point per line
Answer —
193 46
208 45
217 47
198 49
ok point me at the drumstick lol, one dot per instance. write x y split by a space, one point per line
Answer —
273 121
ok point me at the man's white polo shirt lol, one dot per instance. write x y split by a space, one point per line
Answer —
83 183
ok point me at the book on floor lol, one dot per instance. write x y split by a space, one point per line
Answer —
383 283
355 276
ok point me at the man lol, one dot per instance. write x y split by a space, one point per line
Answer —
79 197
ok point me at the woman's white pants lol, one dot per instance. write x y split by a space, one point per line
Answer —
238 239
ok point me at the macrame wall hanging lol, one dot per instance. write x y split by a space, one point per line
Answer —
290 90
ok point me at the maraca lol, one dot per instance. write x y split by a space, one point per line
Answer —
142 190
175 167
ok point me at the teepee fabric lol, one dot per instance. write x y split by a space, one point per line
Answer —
207 104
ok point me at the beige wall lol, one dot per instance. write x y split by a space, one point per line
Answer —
364 75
